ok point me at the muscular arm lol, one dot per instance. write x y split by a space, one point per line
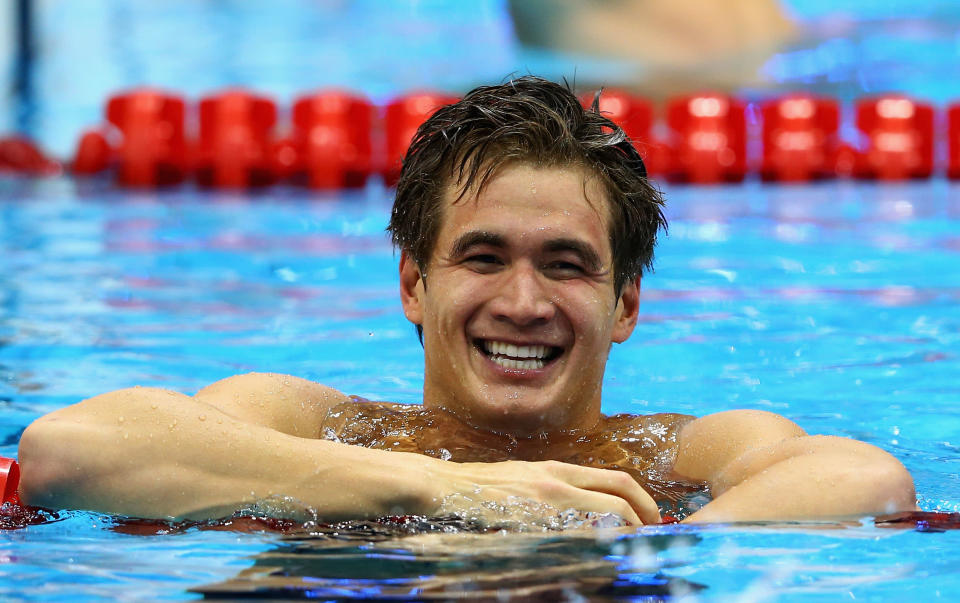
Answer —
154 453
761 466
250 439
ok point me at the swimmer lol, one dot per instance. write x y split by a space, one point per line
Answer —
664 49
525 224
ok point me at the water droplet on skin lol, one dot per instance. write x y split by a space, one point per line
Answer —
202 417
120 420
154 406
126 435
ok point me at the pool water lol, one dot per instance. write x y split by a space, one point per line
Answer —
835 304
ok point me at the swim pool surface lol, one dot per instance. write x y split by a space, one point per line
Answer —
834 304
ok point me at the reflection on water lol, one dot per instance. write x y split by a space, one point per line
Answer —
404 558
368 561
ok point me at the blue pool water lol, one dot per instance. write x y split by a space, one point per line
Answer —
834 304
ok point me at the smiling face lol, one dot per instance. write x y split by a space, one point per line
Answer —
518 309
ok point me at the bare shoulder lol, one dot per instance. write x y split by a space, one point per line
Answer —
257 384
740 424
711 442
286 403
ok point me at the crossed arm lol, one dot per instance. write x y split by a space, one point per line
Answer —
761 466
251 440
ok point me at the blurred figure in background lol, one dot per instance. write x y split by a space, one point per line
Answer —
677 46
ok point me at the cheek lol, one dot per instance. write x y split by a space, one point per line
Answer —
592 315
454 302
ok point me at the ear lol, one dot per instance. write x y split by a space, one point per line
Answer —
627 311
411 289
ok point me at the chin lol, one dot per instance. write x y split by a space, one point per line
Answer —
520 417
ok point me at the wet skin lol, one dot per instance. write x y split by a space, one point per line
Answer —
644 446
526 262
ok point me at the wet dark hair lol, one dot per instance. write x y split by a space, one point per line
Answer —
525 120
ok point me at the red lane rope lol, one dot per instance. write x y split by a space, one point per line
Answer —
335 139
9 480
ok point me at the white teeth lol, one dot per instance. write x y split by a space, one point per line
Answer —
514 351
523 357
534 363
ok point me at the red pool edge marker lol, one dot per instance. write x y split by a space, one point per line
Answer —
708 138
9 480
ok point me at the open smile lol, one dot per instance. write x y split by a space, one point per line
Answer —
516 356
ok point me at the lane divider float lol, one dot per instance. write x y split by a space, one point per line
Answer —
337 139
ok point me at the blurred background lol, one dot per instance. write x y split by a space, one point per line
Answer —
61 59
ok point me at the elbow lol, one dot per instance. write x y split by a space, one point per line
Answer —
45 464
35 474
867 474
891 487
866 485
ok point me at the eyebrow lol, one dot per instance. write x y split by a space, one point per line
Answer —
474 238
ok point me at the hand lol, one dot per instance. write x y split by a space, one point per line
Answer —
549 493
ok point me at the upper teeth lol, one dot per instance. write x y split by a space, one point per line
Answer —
515 351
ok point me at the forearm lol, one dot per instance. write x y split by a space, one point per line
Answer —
810 477
152 453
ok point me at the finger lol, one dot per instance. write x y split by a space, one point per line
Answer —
607 481
597 502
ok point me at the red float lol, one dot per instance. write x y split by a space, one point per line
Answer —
635 116
9 480
897 138
708 139
234 149
152 151
953 141
21 155
284 158
403 116
800 138
332 139
93 153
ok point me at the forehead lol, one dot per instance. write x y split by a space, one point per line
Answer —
525 199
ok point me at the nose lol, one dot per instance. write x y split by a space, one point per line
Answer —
523 298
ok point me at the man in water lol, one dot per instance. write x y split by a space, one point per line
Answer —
524 223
